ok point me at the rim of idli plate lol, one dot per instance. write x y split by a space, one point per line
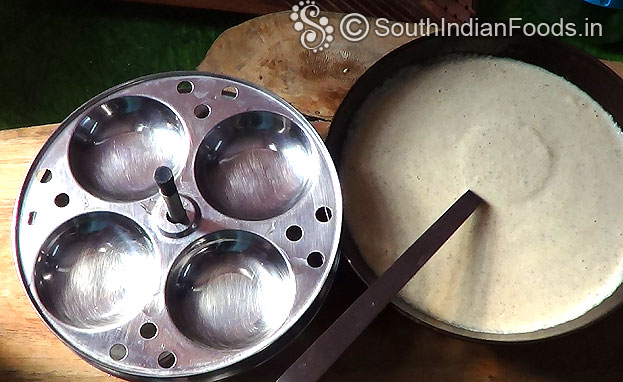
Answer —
72 221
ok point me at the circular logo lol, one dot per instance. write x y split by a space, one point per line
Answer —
354 27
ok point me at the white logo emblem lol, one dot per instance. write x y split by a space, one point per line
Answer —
315 36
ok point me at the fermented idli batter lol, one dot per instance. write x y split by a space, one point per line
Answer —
544 156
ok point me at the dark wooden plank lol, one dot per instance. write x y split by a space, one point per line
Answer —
452 10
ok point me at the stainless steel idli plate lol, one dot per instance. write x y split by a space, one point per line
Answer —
141 297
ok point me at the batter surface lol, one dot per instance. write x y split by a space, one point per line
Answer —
545 157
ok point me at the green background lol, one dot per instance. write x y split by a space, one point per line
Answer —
58 54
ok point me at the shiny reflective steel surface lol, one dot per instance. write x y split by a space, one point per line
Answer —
118 145
139 296
254 165
84 273
239 285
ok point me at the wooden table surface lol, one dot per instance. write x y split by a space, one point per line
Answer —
393 348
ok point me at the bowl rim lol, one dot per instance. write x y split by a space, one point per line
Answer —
576 66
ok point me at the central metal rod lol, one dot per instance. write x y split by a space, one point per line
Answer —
166 183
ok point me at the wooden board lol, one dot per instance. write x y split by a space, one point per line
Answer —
267 51
28 351
392 349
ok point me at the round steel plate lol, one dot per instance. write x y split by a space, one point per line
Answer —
141 297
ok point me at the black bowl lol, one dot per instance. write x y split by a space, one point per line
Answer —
578 67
